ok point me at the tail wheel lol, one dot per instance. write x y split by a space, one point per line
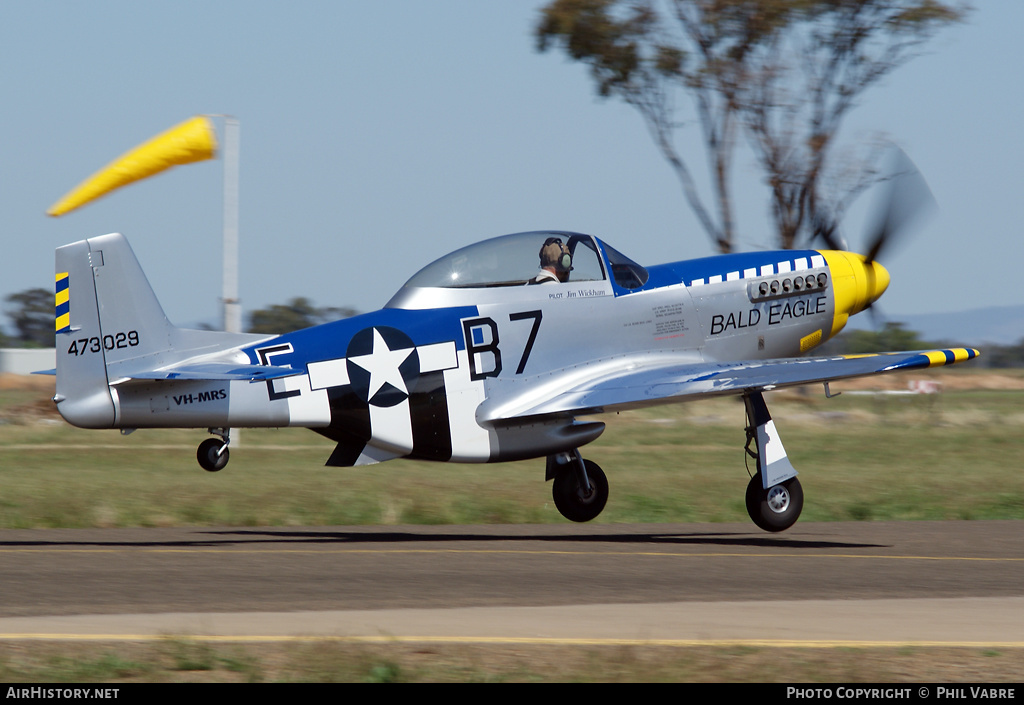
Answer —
778 507
212 454
572 501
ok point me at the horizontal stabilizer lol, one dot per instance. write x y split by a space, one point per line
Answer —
221 372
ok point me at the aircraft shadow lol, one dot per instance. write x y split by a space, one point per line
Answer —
239 537
659 538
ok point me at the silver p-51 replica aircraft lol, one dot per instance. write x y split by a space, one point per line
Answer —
478 358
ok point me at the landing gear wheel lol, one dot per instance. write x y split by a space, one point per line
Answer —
571 501
212 454
776 509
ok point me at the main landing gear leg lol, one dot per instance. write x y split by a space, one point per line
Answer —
774 496
580 488
213 453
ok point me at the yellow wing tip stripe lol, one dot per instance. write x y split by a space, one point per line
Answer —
923 358
951 356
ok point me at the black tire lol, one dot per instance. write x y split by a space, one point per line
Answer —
776 509
569 498
208 457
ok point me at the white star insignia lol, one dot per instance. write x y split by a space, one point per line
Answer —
382 364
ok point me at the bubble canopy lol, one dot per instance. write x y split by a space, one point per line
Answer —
513 260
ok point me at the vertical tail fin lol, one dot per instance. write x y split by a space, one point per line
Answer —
106 312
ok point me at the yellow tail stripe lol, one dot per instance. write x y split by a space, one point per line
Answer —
62 301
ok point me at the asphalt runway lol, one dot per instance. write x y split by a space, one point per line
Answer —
945 583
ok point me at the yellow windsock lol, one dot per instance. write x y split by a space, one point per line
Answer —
192 141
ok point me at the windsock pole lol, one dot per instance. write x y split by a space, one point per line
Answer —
229 278
232 306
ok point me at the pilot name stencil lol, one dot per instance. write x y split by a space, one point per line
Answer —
583 293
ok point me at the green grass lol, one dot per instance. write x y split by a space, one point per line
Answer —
948 456
182 660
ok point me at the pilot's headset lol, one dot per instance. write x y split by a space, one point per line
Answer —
553 252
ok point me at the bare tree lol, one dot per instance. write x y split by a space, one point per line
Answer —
785 72
811 76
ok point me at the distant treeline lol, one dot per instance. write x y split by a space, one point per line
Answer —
30 315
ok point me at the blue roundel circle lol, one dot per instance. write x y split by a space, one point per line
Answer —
383 365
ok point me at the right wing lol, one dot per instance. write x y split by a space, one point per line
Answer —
664 380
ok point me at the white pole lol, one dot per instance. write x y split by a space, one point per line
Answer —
232 307
229 283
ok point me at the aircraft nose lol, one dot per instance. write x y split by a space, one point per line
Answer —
878 278
856 284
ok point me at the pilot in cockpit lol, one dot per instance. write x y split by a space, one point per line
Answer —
555 263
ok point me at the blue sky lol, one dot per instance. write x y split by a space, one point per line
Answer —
376 137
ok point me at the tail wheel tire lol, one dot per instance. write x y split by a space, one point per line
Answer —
212 455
